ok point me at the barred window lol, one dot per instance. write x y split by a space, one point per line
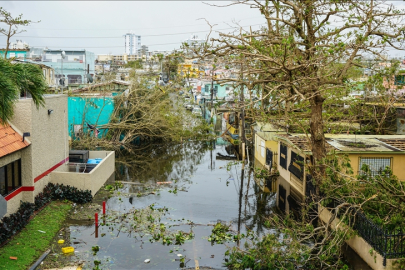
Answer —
376 165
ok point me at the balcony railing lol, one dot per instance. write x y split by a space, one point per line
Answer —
389 243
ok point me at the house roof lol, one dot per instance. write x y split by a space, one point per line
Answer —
343 143
10 140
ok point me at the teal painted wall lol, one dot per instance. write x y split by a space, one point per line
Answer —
96 111
221 89
16 54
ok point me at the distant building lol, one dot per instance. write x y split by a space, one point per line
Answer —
19 45
74 67
194 41
144 50
132 43
20 54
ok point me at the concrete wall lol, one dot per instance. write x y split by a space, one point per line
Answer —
270 144
359 245
49 145
259 142
93 180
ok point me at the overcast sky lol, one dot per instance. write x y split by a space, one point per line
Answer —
163 25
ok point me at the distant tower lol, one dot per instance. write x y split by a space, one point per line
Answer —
132 43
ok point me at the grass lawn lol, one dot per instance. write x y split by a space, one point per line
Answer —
29 244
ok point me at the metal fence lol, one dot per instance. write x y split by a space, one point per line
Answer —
389 243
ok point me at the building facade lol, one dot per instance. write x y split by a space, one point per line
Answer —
73 67
20 54
132 43
34 151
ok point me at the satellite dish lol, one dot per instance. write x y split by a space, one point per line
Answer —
89 78
63 54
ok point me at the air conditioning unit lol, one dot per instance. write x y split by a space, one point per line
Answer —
78 156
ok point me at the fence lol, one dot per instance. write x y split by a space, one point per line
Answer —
389 243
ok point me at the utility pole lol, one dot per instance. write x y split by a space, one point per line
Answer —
212 86
242 115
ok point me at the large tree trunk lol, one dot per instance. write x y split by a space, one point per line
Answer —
317 140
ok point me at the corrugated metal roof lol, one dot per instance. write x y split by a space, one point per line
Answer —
397 143
352 144
10 140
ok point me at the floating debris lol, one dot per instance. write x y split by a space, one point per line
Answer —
147 261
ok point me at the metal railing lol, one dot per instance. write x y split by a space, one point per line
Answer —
81 167
389 243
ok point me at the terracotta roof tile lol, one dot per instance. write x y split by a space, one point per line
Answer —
10 140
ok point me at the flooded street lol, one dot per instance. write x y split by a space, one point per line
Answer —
199 190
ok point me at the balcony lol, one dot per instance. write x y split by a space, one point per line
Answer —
87 176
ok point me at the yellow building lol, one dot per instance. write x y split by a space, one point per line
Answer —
266 144
376 151
189 69
265 153
293 185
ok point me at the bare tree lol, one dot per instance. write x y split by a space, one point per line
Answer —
305 52
13 25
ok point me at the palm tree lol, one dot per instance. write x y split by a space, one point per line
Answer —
17 78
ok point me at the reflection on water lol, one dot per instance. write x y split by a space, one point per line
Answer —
208 190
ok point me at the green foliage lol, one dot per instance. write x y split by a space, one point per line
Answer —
283 249
29 244
95 249
220 234
14 223
19 78
137 64
380 196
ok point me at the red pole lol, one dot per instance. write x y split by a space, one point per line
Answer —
103 207
96 218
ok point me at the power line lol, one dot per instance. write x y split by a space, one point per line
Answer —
156 35
82 47
126 29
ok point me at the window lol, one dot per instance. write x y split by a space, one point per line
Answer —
283 156
10 177
269 157
296 165
376 165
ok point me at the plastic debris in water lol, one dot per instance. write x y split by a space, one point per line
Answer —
147 261
179 255
68 249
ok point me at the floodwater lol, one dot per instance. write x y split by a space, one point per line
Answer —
204 190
